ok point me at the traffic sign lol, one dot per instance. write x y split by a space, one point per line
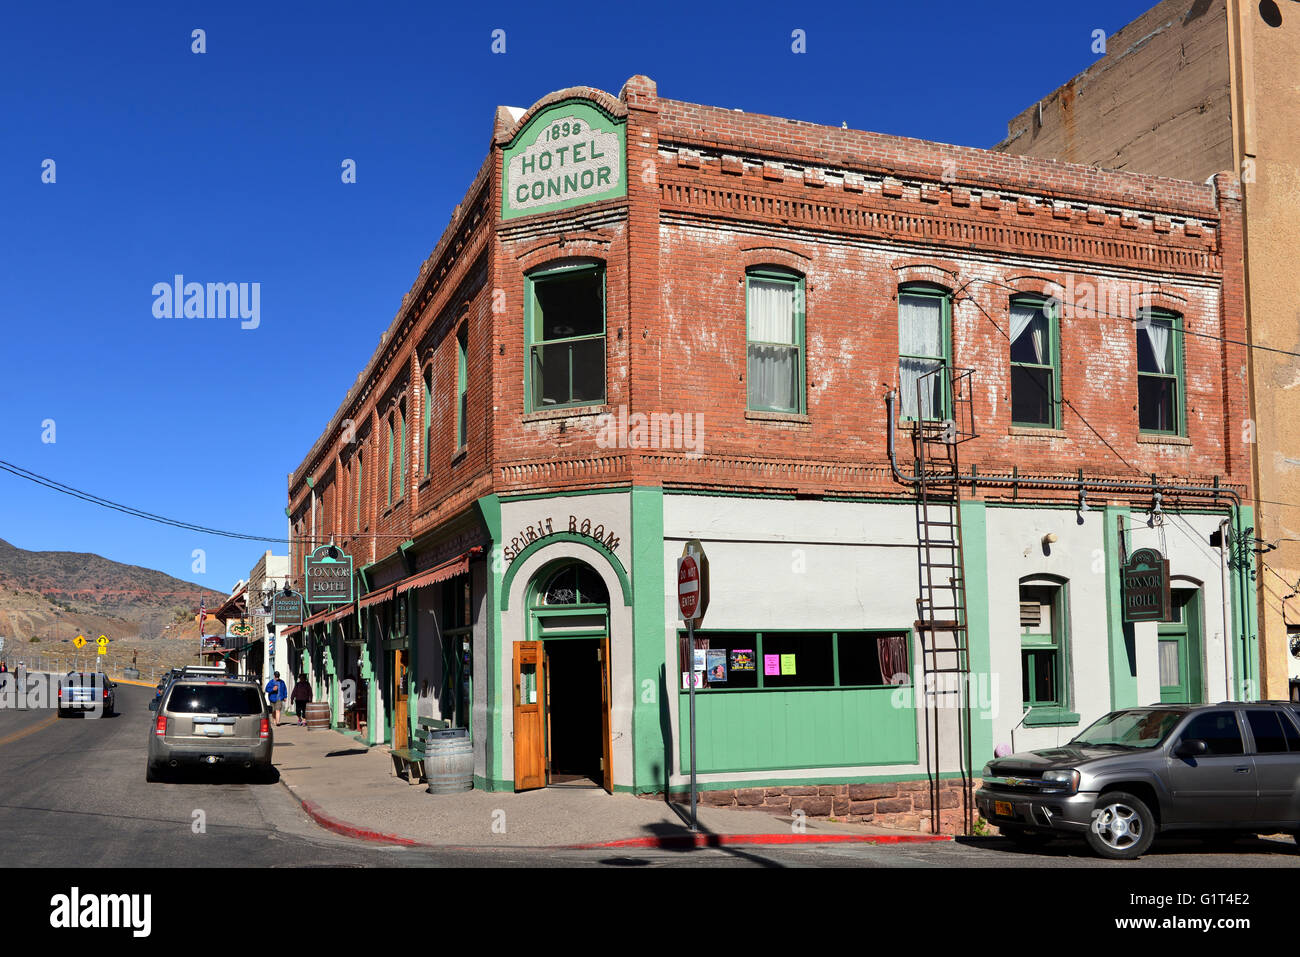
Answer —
695 550
79 641
102 641
102 649
688 588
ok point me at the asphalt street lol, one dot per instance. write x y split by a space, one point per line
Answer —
73 794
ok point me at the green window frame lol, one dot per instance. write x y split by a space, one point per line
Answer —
462 386
390 459
402 450
560 369
1047 646
774 635
765 380
426 381
1159 411
1035 356
914 360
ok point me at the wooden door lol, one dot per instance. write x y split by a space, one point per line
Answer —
606 744
401 714
530 716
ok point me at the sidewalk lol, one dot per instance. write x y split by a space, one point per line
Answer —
350 789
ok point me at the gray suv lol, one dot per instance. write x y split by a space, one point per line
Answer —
207 720
1227 767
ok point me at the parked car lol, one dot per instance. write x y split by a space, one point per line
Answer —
1134 773
87 693
166 679
210 720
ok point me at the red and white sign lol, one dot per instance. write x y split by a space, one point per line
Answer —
688 587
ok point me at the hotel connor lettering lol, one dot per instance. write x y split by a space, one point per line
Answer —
569 154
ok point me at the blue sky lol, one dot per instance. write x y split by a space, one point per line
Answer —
225 167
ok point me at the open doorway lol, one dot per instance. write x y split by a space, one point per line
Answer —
573 712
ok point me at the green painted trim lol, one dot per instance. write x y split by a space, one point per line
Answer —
1051 717
1179 376
286 511
1121 644
311 482
489 508
462 385
979 636
736 783
944 295
1245 616
652 745
1054 349
489 784
541 543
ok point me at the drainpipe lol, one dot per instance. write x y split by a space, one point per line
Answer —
1224 532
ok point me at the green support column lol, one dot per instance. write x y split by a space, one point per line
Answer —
1245 616
489 507
367 668
982 692
651 738
1122 649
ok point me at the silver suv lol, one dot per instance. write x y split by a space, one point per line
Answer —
1231 766
208 719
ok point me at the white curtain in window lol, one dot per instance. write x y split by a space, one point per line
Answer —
1158 336
1170 673
771 312
920 333
1022 318
772 379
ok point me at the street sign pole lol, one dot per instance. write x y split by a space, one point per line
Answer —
690 635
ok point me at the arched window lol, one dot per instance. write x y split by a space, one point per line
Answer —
574 584
924 351
774 322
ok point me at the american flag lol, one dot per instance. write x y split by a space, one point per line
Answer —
203 613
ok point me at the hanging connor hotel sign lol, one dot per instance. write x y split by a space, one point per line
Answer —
1145 586
328 573
568 154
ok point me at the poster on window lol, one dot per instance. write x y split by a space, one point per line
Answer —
787 664
716 664
771 664
686 678
701 662
742 659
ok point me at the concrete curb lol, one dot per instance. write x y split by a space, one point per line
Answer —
665 843
724 840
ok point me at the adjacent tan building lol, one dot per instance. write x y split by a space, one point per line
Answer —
1191 88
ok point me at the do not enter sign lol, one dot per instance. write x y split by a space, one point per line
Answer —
688 587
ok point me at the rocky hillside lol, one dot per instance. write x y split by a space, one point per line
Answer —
56 595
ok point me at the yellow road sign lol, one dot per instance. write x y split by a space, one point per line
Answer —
79 641
102 649
102 641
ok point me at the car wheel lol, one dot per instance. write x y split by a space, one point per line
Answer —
1122 828
152 774
1025 837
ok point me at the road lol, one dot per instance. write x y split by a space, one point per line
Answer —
74 790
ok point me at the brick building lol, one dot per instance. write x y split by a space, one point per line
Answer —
917 402
1189 88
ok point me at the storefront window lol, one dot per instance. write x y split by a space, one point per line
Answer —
734 660
457 635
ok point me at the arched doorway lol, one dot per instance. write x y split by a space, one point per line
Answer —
561 672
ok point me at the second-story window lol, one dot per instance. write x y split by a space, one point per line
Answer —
1035 364
774 318
1160 372
565 331
426 432
390 458
462 384
924 354
402 453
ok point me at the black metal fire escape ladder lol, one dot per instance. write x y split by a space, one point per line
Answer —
941 604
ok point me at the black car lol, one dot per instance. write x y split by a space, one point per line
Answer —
87 693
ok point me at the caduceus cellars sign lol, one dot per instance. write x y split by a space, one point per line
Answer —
328 573
1144 587
568 154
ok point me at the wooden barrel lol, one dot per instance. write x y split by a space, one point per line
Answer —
318 715
449 761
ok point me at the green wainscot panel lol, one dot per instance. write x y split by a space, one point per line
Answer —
780 730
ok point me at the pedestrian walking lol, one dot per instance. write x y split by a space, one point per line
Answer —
301 695
276 693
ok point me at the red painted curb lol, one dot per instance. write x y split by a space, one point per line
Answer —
349 830
722 840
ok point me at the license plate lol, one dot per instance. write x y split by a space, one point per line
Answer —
1002 808
213 730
